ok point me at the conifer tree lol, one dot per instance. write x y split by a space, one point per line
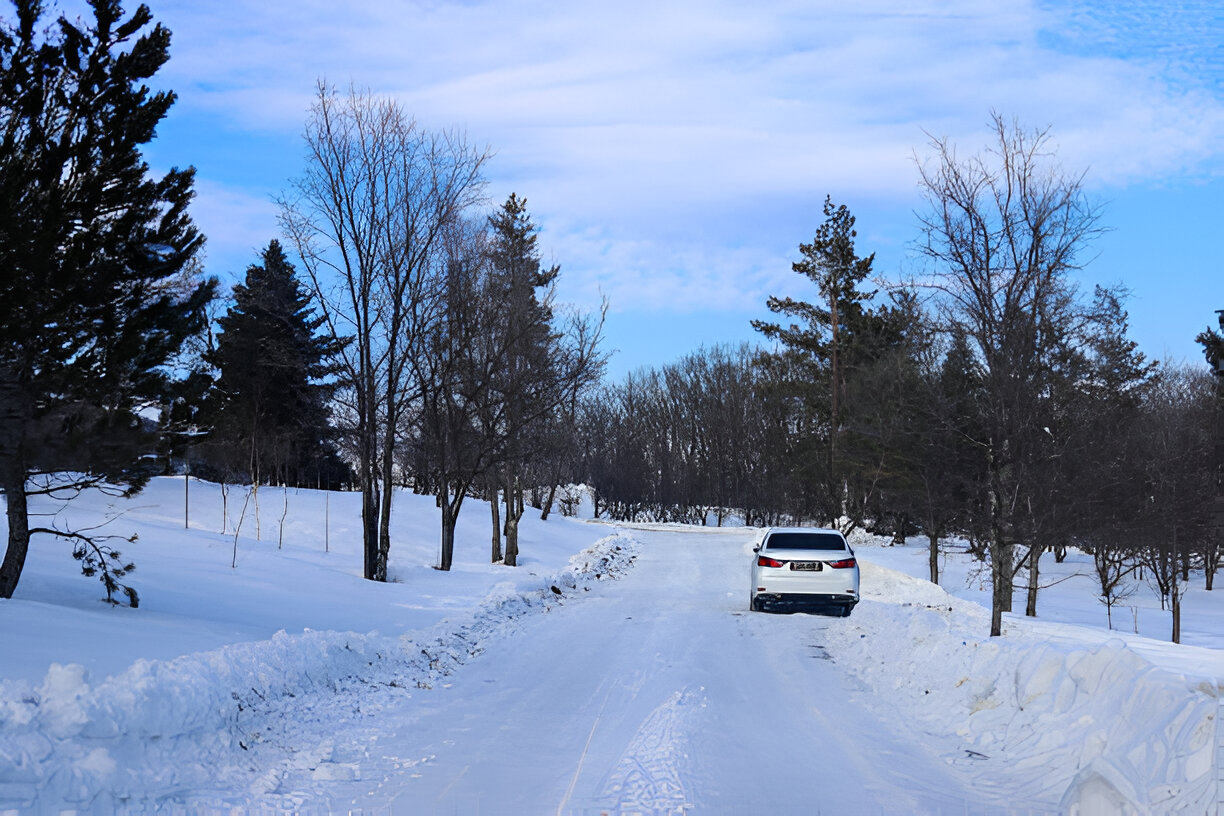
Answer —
527 376
544 362
269 405
828 341
1213 345
1213 349
92 248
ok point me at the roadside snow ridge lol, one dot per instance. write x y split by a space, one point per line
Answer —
164 730
1065 726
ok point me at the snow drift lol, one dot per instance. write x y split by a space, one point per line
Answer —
137 739
1086 728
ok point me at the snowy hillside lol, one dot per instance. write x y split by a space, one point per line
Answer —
616 670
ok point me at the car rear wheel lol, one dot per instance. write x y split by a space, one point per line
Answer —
755 604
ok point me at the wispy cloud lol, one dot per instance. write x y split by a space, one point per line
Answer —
670 150
237 224
683 84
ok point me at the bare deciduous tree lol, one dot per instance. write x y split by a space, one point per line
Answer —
367 217
1003 230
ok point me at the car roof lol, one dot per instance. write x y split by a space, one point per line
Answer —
804 538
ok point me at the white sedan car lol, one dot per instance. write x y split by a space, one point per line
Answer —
804 566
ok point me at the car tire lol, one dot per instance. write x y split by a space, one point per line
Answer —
754 603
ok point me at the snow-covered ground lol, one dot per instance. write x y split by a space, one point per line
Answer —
616 670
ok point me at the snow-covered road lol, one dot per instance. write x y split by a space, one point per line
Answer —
658 693
287 684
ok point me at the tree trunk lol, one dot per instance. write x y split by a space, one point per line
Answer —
384 525
513 513
388 486
1034 559
450 516
998 591
548 503
280 533
1002 588
367 435
224 506
255 486
495 510
1002 547
448 538
511 557
12 482
933 556
1176 614
369 520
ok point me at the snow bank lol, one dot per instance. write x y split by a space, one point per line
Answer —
1081 728
138 739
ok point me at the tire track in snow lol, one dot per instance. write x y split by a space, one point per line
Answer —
650 775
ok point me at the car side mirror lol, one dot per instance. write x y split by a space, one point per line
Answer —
756 549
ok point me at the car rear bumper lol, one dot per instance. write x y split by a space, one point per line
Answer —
806 599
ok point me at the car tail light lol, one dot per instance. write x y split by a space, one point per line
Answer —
845 563
766 561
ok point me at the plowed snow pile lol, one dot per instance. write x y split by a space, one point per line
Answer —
1038 723
164 726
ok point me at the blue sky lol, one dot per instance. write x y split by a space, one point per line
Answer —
674 154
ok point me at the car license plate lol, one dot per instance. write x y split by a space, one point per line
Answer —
806 566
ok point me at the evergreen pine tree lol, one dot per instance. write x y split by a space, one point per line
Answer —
91 249
269 405
828 342
1213 345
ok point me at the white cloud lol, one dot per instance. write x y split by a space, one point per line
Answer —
238 226
650 80
675 153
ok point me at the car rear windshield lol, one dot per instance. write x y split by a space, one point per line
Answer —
805 541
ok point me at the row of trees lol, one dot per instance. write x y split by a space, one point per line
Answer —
453 361
436 359
989 398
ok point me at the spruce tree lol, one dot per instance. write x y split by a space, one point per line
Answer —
92 249
269 405
529 377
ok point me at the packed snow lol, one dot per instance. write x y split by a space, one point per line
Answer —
616 670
